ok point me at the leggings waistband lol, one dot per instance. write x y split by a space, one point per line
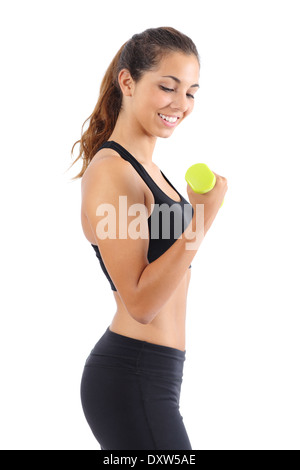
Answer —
117 350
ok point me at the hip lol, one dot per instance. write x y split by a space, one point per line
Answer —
140 357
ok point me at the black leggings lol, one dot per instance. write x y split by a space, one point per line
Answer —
130 392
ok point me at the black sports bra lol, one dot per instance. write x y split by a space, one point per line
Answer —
161 236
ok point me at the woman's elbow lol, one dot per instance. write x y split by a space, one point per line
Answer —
143 320
139 308
142 317
141 314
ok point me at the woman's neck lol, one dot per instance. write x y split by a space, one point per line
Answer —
133 139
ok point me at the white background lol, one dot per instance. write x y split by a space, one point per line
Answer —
241 381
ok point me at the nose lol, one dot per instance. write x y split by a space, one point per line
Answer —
181 102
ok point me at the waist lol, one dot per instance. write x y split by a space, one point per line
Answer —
167 328
115 350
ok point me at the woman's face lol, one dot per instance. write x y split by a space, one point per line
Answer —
161 99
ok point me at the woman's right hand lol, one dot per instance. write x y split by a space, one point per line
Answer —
212 200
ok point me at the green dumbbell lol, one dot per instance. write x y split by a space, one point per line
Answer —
200 178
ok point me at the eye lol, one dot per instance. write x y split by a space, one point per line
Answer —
172 89
165 88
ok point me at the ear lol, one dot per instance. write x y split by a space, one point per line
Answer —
126 82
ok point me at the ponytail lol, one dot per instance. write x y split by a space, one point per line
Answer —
104 117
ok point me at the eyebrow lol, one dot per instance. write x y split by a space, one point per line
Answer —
178 81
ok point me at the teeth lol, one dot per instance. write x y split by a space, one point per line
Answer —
168 118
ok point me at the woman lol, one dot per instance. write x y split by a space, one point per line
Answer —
131 382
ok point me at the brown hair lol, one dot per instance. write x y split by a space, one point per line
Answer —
141 53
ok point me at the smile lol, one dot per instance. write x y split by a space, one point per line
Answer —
170 121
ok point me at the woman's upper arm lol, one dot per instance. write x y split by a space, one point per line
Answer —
109 191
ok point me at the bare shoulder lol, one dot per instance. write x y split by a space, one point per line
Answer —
106 173
103 163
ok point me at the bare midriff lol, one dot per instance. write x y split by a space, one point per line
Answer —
167 328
